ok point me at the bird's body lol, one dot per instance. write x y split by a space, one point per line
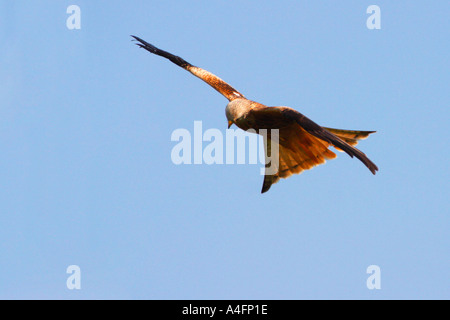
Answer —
302 144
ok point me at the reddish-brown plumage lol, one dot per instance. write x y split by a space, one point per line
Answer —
303 144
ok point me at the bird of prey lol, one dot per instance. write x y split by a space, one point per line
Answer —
302 143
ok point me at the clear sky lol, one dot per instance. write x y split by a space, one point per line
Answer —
86 175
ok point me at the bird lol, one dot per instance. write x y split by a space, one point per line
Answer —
302 143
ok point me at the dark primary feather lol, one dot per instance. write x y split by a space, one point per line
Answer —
151 48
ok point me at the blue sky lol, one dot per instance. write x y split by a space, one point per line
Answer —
87 179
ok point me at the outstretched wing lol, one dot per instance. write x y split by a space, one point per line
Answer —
214 81
303 144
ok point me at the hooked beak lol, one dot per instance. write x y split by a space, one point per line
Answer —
229 123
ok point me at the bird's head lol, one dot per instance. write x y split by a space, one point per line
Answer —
236 109
229 114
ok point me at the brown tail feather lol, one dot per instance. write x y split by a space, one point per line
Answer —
350 136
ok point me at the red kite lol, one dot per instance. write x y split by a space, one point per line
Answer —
302 143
